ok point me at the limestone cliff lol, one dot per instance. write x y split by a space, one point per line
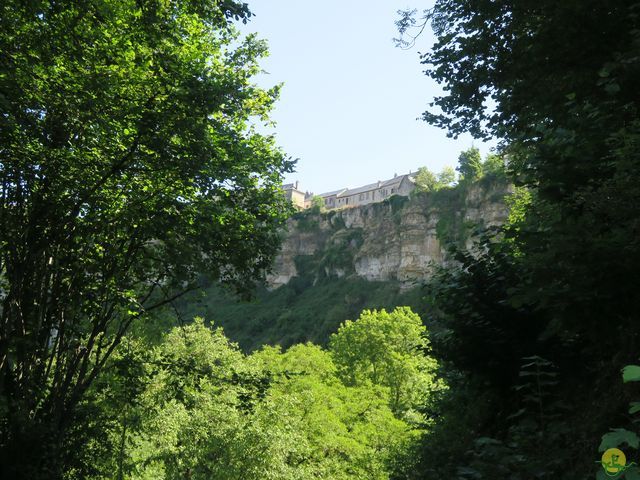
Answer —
399 239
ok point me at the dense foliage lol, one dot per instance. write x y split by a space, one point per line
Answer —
297 312
380 349
127 164
555 82
130 171
194 406
427 181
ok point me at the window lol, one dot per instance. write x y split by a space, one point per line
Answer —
361 196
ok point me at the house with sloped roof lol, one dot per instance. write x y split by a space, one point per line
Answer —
331 198
374 192
353 197
295 196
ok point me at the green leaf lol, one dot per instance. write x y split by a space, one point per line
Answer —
604 72
632 473
617 437
601 475
631 373
635 407
612 88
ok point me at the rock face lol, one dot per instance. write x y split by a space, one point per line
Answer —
400 239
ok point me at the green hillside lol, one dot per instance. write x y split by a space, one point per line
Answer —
297 312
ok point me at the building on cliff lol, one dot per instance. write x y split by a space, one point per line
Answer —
297 197
354 197
331 198
376 192
401 242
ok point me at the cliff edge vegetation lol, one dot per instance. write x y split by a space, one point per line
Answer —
334 264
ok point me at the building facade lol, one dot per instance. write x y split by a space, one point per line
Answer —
376 192
353 197
295 196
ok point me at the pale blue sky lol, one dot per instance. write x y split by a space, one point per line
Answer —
351 99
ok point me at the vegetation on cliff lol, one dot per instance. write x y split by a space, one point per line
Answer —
326 289
297 312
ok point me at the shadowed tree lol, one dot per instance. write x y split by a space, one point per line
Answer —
127 165
563 101
556 83
470 164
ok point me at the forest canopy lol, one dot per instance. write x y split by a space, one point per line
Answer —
192 405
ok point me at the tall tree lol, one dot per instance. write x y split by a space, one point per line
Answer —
470 164
557 84
388 349
447 176
426 180
127 164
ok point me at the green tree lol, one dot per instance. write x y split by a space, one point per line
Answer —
346 431
563 104
447 176
317 202
470 164
205 415
387 349
199 408
128 164
571 135
493 164
426 180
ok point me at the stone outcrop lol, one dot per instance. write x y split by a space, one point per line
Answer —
400 239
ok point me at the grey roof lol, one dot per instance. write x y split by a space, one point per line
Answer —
395 181
291 186
345 192
330 194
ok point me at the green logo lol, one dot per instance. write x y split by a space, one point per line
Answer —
614 462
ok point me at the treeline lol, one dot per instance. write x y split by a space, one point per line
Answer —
305 309
193 406
470 168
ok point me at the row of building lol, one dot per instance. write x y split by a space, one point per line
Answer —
353 197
